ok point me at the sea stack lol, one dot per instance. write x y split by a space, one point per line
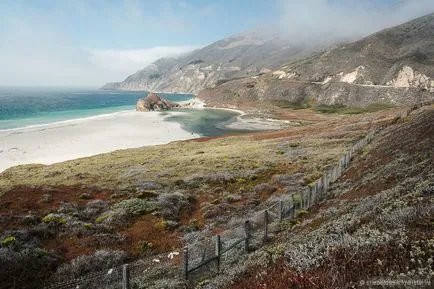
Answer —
153 102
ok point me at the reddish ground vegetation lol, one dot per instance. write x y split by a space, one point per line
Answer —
149 229
70 248
276 276
22 199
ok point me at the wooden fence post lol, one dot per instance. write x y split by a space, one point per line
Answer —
125 277
293 206
247 233
313 195
218 247
185 263
309 197
280 210
301 200
265 226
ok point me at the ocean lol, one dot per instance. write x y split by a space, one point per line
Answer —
26 107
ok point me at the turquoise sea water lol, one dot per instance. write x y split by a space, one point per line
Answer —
21 107
24 107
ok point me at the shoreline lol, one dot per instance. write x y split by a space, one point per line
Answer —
73 139
83 137
66 121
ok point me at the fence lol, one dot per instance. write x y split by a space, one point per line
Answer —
206 256
127 276
254 230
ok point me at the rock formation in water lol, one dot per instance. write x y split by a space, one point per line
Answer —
153 102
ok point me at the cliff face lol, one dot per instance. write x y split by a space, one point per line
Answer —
251 92
234 57
394 65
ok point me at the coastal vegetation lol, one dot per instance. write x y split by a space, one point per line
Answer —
339 108
140 202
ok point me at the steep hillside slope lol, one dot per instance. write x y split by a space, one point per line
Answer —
394 65
237 56
376 224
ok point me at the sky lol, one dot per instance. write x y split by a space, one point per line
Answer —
91 42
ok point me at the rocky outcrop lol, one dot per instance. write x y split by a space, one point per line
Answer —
153 102
407 77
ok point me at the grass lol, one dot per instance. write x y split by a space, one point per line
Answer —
299 104
342 109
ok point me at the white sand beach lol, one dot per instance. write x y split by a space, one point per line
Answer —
61 141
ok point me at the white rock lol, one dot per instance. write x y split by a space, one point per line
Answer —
352 76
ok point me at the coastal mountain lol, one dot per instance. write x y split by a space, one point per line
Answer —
237 56
402 56
393 65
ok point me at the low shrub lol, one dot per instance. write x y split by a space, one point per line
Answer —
47 198
161 225
340 108
53 219
334 108
137 206
265 188
298 104
174 205
27 268
104 217
145 246
94 208
82 265
31 220
9 241
301 213
85 196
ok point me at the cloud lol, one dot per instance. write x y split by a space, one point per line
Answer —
127 61
42 62
326 20
89 43
38 50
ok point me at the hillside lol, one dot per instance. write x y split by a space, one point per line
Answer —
376 223
88 214
393 65
233 57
